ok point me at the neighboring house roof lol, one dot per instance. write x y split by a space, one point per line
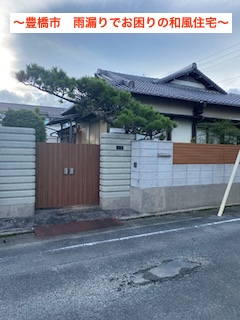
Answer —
74 117
62 120
50 112
69 110
168 87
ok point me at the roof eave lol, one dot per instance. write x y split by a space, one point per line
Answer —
234 105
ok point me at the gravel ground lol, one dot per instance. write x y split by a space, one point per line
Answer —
63 215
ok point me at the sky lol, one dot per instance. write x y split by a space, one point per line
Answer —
152 55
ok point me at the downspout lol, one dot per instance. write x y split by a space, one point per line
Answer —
61 132
194 131
198 112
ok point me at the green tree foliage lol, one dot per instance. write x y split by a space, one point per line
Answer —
102 99
92 95
26 119
221 131
89 94
142 119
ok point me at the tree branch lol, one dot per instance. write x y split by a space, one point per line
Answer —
50 92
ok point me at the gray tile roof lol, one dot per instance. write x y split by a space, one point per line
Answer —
163 88
193 71
50 112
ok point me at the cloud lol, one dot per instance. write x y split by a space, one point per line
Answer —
32 98
234 90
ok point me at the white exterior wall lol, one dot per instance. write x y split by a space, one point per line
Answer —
115 170
174 109
219 112
169 106
17 172
183 132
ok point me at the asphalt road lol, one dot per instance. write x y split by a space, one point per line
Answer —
96 275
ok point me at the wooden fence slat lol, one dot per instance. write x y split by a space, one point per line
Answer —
191 153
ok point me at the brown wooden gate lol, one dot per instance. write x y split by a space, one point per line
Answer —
67 174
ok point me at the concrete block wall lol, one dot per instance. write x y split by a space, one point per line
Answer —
151 164
158 185
17 172
115 170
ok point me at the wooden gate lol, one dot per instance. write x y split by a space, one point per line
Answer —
67 174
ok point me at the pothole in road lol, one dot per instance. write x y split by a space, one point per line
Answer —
167 270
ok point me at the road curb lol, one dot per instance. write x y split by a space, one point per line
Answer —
16 231
164 213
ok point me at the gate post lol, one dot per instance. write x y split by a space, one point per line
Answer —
115 170
17 172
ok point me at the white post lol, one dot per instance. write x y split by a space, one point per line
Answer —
230 182
88 133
